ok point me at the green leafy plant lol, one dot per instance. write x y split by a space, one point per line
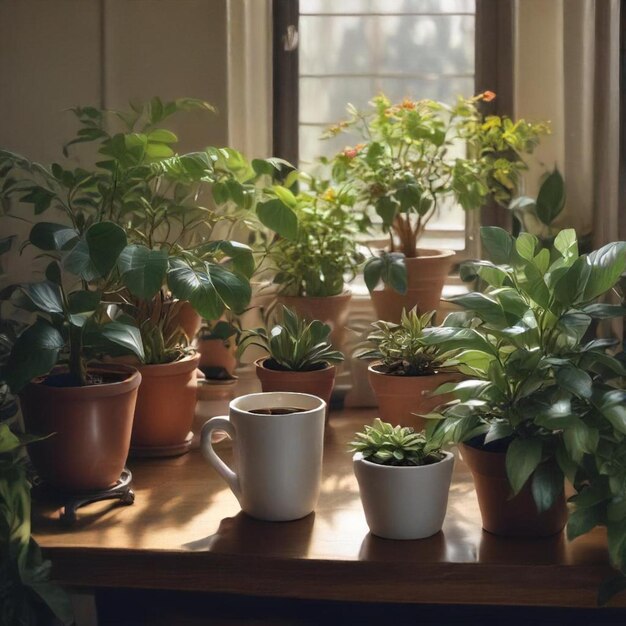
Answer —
172 209
317 261
72 323
400 347
408 165
539 390
27 596
385 444
294 344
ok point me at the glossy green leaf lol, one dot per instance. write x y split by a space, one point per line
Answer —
49 236
372 272
522 458
45 296
497 243
142 270
123 335
278 217
605 266
34 354
574 380
551 198
547 485
105 241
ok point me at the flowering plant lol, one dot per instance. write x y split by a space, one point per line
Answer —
417 155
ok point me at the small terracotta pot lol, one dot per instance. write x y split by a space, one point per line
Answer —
426 276
501 514
91 426
218 354
332 310
317 383
166 405
399 397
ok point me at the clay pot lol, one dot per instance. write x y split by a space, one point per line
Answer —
166 405
332 310
217 355
399 397
501 514
91 426
426 276
317 383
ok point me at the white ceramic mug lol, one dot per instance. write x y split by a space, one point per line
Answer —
278 458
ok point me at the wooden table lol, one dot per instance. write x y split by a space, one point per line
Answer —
186 532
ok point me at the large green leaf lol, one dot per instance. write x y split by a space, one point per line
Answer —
605 265
574 380
567 244
551 198
79 262
49 236
240 255
46 296
485 308
209 289
125 336
522 458
580 439
278 217
105 241
547 485
497 243
34 354
372 272
143 270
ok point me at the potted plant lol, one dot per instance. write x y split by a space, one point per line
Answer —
403 479
541 401
311 269
62 390
300 356
405 371
174 260
217 345
29 597
405 169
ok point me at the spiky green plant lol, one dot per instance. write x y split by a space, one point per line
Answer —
401 349
385 444
294 345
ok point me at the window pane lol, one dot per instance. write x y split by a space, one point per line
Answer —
417 45
387 6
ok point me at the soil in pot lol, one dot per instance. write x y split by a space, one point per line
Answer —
91 425
166 405
318 382
400 397
501 514
332 310
426 276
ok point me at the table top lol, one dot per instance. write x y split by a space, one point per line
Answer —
185 531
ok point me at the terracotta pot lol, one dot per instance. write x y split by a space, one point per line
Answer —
218 355
426 276
317 383
186 318
501 514
399 397
166 404
333 310
91 426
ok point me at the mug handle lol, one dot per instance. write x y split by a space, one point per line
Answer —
224 424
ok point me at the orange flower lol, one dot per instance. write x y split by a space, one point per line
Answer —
407 104
488 96
350 153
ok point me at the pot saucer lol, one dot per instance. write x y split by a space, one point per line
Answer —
146 452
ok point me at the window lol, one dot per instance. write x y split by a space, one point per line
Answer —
350 50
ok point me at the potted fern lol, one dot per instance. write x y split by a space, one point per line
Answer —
403 479
406 371
300 357
404 170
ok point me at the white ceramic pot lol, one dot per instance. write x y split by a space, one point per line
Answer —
404 502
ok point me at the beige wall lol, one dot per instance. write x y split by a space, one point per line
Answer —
55 54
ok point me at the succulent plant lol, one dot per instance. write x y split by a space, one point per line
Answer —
294 345
401 349
385 444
